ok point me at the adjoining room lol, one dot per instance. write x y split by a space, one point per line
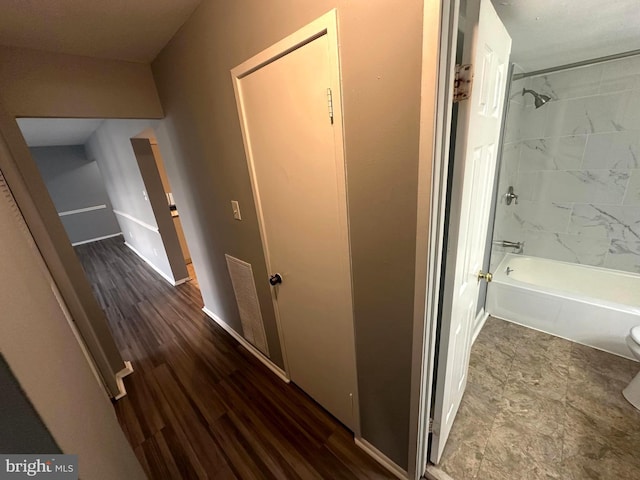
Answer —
550 389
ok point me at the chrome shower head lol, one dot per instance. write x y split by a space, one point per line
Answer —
538 99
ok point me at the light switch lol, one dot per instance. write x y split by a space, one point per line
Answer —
236 210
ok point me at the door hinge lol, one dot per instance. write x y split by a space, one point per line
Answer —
330 103
431 425
462 83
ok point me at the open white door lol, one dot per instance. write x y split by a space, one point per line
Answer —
471 202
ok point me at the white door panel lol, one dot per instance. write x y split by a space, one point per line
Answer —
298 182
480 120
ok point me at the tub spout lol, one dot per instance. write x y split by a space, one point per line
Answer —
518 246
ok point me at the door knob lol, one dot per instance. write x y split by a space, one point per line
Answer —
275 279
485 276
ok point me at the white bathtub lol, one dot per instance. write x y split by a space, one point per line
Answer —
589 305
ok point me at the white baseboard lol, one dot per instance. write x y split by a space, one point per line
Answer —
479 321
127 370
253 350
82 210
148 262
97 239
181 281
135 220
434 473
382 459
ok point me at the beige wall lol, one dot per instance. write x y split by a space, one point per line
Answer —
44 355
380 55
43 84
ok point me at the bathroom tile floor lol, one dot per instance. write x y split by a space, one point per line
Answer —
540 407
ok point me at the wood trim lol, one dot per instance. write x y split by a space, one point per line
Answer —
81 210
479 322
135 220
96 239
381 458
127 370
331 22
306 34
253 350
438 41
158 271
39 213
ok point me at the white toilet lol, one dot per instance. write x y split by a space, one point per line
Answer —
632 392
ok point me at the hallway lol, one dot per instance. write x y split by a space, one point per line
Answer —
198 405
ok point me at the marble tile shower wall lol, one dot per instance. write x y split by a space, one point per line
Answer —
575 164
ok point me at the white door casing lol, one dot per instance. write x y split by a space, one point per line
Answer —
294 150
471 204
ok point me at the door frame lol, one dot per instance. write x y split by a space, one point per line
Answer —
327 25
41 217
440 29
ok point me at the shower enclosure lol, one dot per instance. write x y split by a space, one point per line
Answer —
569 192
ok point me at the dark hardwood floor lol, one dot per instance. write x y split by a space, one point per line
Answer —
198 404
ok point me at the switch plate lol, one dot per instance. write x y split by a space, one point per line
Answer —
236 210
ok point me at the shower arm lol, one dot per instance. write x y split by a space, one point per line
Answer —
538 98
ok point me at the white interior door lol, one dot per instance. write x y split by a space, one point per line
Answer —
299 184
471 203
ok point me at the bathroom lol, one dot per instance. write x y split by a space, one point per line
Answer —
544 397
570 173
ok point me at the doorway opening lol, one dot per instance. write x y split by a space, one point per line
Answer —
107 181
543 390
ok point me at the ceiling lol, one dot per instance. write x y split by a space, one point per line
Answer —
132 30
546 33
550 33
49 132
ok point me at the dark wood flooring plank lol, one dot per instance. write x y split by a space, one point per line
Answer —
184 443
268 453
263 428
240 456
148 415
159 459
187 417
198 386
183 456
